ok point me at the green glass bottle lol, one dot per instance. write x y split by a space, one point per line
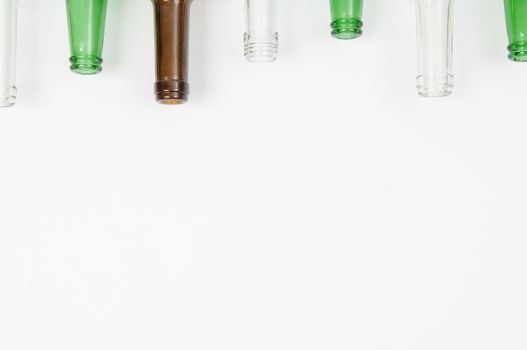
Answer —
516 16
86 19
346 17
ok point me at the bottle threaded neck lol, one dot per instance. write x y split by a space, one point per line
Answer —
435 85
86 64
261 51
171 91
346 29
518 51
261 47
7 96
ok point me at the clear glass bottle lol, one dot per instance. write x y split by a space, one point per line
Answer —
434 47
261 35
171 24
8 34
86 19
516 16
346 18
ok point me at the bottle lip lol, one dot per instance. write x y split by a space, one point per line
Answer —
86 64
518 51
346 28
435 85
171 92
261 52
8 96
6 102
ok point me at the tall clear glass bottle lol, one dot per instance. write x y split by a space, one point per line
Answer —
346 18
8 34
434 47
516 16
261 35
86 19
171 24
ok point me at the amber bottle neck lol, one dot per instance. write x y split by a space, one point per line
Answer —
172 22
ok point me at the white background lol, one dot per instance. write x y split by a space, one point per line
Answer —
315 203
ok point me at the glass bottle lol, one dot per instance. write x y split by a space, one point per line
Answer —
8 29
516 16
261 35
434 47
86 19
346 18
171 25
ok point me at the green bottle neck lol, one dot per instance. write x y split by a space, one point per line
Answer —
346 29
518 51
86 64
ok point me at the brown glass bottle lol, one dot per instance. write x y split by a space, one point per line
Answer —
171 22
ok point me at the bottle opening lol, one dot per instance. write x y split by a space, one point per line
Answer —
261 47
172 101
86 65
171 92
518 52
435 85
7 96
346 29
261 52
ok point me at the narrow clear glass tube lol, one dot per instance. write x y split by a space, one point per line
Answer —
8 29
261 36
434 47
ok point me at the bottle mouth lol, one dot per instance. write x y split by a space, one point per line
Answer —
346 29
435 85
261 52
261 48
171 92
7 96
518 51
86 64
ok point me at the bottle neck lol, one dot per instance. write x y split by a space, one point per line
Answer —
86 64
172 22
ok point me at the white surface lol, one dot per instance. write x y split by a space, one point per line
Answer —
315 203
